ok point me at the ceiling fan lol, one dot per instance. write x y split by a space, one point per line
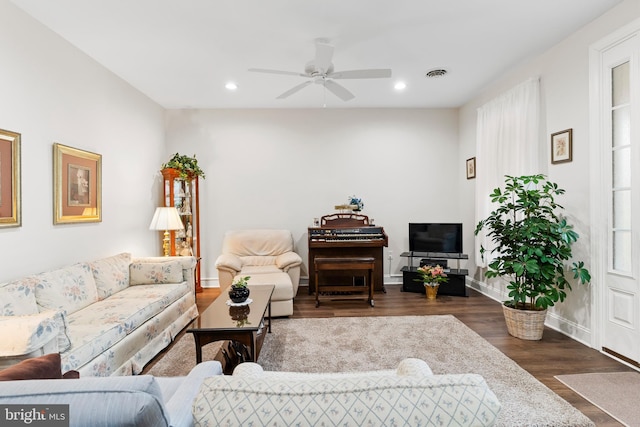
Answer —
320 71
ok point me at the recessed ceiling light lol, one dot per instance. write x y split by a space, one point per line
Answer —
231 86
436 72
400 86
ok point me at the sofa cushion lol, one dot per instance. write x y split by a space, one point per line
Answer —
111 274
131 307
283 290
18 297
148 273
162 295
89 340
69 289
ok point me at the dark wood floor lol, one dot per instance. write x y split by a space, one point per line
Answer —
555 354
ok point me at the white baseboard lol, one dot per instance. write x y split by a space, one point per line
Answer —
560 324
212 282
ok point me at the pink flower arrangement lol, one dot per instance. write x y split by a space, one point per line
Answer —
432 275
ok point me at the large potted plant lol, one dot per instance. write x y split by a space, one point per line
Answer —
532 247
186 166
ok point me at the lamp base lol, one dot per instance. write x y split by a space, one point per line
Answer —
165 243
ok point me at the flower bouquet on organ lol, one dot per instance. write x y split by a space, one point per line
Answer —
432 275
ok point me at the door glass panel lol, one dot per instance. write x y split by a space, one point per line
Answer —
622 209
621 128
622 251
620 84
622 168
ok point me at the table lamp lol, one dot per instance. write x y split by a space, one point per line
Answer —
166 219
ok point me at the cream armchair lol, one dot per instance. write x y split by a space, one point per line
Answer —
268 257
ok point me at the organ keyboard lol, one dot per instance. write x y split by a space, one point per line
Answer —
347 235
360 234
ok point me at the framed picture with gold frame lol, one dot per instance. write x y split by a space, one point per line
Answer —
10 188
77 185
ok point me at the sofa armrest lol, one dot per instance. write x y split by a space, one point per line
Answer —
179 404
228 265
26 334
287 260
95 401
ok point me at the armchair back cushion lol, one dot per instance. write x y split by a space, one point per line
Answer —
257 243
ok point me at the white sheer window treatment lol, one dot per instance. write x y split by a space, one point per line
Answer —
507 144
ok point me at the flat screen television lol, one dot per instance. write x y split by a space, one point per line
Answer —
432 237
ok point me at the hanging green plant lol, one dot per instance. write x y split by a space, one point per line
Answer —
187 166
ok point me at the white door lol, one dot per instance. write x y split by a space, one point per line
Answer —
618 193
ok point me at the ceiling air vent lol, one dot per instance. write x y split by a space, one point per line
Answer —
436 72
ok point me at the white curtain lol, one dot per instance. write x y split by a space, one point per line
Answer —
507 144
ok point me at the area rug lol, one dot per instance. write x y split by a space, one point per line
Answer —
343 344
616 393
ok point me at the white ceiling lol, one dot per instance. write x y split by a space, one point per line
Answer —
181 53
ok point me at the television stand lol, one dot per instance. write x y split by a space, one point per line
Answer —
455 286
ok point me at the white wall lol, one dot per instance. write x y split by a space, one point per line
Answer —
564 81
282 168
51 92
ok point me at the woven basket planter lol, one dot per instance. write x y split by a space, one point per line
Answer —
525 324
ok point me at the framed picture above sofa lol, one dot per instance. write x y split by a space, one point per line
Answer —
77 185
10 198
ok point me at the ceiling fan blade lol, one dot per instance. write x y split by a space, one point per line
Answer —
265 70
324 53
295 89
338 90
379 73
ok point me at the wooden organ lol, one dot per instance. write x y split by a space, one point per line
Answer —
347 235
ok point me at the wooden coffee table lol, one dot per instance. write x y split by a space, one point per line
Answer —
243 324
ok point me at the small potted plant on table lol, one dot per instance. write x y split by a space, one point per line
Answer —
239 291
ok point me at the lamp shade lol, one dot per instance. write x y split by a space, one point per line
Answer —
166 219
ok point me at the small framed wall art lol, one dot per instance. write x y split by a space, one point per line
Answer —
561 146
77 185
10 188
471 168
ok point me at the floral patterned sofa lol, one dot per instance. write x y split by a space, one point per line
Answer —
106 317
410 395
